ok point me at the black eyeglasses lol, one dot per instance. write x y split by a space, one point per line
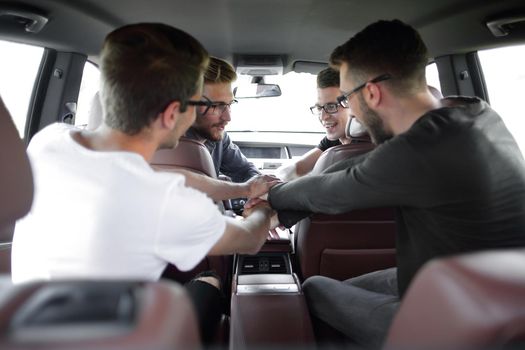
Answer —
215 107
343 99
330 108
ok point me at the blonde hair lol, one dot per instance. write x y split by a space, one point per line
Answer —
219 71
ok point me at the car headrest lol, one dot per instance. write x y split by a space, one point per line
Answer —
16 180
435 92
354 129
189 154
338 153
95 113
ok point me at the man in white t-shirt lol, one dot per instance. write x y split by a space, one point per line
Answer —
100 211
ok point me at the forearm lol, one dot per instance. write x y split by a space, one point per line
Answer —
216 189
246 236
256 228
330 194
298 199
307 162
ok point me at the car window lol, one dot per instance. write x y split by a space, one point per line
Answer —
504 72
432 75
88 88
285 113
19 64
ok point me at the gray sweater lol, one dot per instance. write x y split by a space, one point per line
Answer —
456 177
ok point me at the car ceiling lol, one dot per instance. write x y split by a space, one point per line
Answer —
305 30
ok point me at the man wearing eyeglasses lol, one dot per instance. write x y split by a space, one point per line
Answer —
213 116
100 211
450 167
334 119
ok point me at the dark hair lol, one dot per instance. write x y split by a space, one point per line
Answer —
391 47
144 67
328 77
219 71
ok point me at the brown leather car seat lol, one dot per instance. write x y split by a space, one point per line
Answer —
470 301
189 154
16 184
194 156
350 244
97 315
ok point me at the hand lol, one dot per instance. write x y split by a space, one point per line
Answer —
252 202
274 223
255 204
260 185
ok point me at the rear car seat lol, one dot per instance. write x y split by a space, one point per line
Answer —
469 301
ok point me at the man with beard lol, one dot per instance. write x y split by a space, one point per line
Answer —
450 167
213 118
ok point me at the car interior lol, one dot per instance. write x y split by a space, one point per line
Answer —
467 301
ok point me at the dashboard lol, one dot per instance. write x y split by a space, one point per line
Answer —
269 150
268 158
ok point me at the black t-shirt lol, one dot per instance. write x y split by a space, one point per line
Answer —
456 177
326 144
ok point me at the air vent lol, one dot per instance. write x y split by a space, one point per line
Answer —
250 265
263 264
277 264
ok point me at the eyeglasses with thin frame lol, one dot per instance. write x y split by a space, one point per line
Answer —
329 108
212 107
343 99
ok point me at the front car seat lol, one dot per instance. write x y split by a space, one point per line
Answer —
350 244
192 155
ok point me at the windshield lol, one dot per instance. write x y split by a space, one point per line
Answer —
289 112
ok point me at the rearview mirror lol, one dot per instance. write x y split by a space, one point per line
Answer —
257 91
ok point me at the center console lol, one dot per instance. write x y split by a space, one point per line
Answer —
268 307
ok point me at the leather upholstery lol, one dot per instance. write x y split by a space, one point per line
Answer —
16 181
16 184
270 321
189 154
345 245
98 315
471 301
337 153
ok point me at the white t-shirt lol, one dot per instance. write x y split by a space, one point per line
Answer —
107 215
